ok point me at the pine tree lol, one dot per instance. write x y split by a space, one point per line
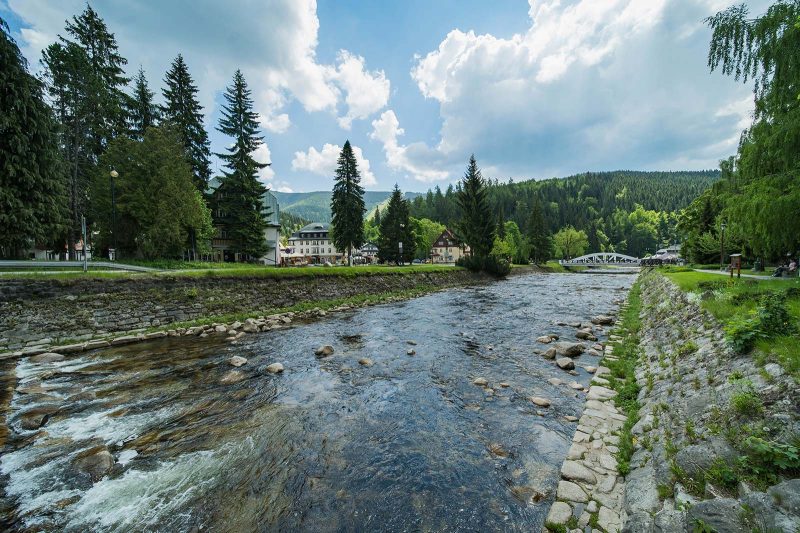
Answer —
32 203
183 111
541 243
244 218
143 112
347 204
477 224
378 216
396 228
85 83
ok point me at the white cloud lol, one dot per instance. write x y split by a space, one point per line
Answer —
266 175
323 162
274 43
365 92
416 160
590 85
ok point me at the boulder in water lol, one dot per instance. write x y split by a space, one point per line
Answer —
481 382
237 361
411 352
324 351
365 361
550 353
602 320
545 339
541 402
275 368
570 349
48 357
565 363
94 462
37 417
585 335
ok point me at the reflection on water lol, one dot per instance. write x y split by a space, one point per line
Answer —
407 444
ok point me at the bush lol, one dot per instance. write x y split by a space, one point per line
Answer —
497 266
770 319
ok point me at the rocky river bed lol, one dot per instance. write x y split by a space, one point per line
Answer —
389 432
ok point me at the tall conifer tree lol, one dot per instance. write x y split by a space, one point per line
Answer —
32 203
541 243
185 113
143 112
477 225
241 203
396 228
347 204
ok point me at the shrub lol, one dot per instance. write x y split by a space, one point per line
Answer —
745 401
495 265
773 316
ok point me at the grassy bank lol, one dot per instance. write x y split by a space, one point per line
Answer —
623 373
759 316
241 270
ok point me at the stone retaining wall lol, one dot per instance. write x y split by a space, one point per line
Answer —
688 426
38 313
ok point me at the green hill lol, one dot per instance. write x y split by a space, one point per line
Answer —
316 206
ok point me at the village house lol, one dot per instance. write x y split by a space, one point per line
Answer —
221 244
313 245
447 248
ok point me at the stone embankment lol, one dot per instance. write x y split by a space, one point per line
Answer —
50 315
708 420
590 494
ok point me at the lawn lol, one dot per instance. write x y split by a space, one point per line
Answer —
739 303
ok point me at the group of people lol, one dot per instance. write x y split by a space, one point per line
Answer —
789 267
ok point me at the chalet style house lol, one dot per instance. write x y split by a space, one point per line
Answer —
447 248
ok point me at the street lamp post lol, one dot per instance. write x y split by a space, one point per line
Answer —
722 247
114 174
400 247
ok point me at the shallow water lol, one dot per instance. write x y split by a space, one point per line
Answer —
409 444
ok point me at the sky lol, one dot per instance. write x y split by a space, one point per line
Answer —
538 89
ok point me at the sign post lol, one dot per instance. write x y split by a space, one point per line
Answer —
83 231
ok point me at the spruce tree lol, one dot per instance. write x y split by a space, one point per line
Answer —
143 112
85 81
347 204
396 227
185 113
541 243
477 224
241 202
32 195
378 216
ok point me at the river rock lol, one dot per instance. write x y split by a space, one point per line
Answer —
565 363
719 514
37 417
498 450
237 361
411 352
575 385
541 402
585 335
366 361
250 327
503 385
221 328
591 369
550 353
602 320
545 339
275 368
412 343
567 490
555 381
47 357
559 513
95 462
231 376
324 351
570 418
481 382
574 471
570 349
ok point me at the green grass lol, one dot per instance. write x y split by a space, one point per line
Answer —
247 270
736 300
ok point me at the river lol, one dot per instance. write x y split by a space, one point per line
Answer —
407 444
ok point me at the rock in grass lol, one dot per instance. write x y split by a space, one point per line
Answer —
324 351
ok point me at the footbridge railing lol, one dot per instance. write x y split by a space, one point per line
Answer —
602 259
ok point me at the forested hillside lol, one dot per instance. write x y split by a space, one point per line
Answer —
625 211
316 206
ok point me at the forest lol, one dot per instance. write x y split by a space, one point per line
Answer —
623 211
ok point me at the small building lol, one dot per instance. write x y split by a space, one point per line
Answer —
312 245
221 244
447 248
367 254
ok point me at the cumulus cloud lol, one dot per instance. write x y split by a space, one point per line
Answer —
590 85
323 162
415 160
273 42
266 175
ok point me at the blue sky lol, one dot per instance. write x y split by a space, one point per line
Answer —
535 90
